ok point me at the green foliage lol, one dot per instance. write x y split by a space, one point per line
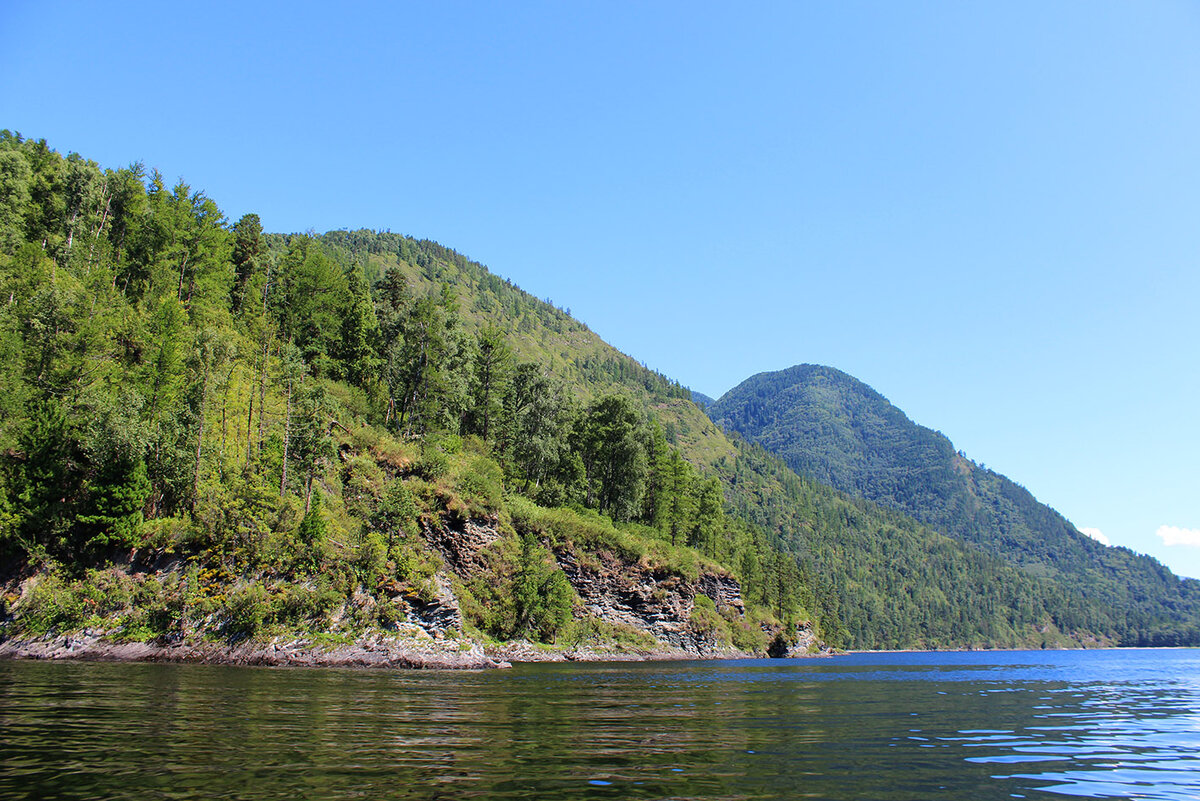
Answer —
426 365
524 593
52 605
396 515
482 482
747 632
117 498
270 410
829 426
312 526
601 635
582 528
248 255
297 605
372 559
246 610
309 302
707 622
612 455
433 463
492 364
541 593
49 480
534 425
359 350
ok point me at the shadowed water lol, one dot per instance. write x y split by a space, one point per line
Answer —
1121 724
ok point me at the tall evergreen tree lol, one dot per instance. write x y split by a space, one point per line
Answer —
492 364
613 457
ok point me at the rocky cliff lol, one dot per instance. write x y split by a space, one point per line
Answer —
623 603
669 611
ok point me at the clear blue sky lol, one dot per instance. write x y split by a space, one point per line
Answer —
988 212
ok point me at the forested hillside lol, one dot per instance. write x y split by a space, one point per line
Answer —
289 423
872 578
837 430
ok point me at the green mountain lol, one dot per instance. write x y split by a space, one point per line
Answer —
214 434
837 430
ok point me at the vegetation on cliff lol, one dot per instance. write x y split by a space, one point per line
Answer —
282 421
208 430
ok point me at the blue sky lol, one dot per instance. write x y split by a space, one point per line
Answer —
990 213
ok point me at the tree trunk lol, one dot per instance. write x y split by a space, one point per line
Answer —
262 380
287 426
262 397
100 227
250 425
199 441
308 487
182 272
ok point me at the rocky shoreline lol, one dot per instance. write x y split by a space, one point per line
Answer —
634 610
380 652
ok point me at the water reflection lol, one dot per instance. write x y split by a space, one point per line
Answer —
882 726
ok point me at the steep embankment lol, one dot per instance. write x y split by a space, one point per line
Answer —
837 430
628 602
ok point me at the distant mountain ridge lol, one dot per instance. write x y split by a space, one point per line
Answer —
833 428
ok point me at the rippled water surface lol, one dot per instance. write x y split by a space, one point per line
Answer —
1101 724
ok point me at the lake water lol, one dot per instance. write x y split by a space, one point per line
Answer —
1101 724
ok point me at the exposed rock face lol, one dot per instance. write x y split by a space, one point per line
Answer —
426 628
723 589
655 601
461 545
805 643
438 615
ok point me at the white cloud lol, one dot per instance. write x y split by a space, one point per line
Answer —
1174 535
1096 534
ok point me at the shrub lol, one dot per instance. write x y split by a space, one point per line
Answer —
51 605
482 483
541 593
362 484
107 591
707 622
671 559
164 533
135 626
597 633
299 604
388 615
589 530
432 465
747 630
396 513
247 607
371 559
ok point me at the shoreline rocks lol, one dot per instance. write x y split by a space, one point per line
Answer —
380 652
376 653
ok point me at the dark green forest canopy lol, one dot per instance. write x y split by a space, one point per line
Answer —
835 429
278 405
